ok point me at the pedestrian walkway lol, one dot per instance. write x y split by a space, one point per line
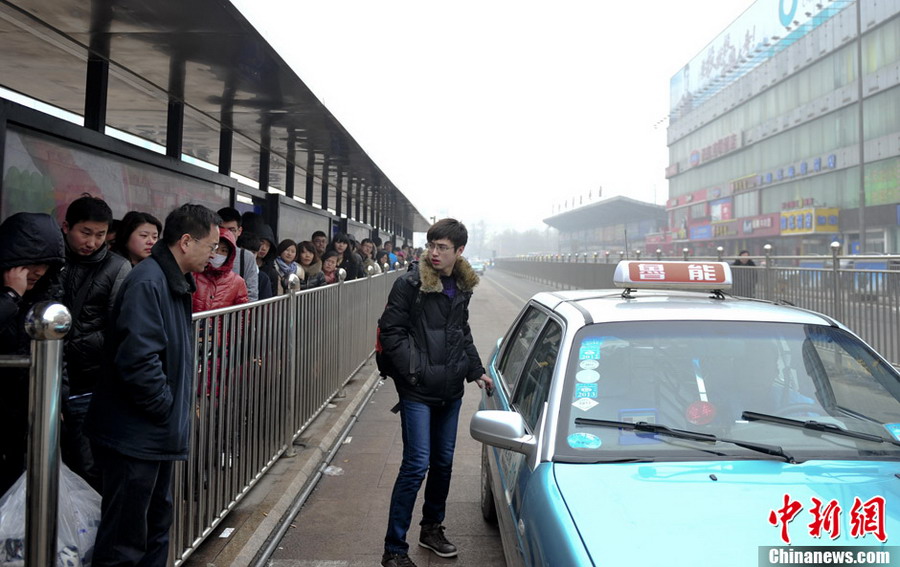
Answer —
344 520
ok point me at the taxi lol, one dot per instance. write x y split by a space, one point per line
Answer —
667 422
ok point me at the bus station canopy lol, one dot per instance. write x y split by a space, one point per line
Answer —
130 61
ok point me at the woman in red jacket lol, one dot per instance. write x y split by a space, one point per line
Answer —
217 285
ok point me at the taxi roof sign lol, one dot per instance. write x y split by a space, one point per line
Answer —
697 276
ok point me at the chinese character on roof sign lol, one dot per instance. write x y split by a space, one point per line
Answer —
652 272
702 272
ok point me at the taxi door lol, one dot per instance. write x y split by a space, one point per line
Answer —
530 400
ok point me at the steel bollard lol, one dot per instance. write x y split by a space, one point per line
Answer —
46 323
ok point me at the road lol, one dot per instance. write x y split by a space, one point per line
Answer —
343 522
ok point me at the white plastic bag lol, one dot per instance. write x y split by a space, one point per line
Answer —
78 518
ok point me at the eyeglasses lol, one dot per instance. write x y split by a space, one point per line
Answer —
212 247
440 247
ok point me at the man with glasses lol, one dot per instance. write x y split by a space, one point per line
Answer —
140 416
245 263
425 335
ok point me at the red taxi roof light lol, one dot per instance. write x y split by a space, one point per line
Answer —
697 276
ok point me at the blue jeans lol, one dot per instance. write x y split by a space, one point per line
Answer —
429 439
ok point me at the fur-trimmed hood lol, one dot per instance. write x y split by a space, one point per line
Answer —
466 278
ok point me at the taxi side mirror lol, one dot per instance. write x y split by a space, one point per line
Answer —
502 429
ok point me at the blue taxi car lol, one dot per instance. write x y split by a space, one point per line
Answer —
669 423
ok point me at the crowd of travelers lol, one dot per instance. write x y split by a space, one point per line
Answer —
131 286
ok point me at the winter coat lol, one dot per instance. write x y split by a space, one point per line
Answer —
351 266
268 265
95 280
438 337
220 287
312 275
142 407
25 238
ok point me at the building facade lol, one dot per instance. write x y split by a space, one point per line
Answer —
785 130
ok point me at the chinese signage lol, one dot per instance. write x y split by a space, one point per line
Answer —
764 225
809 221
677 272
715 150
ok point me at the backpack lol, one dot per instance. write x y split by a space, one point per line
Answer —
385 367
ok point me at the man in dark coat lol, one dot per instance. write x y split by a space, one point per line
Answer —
31 255
140 415
90 281
425 335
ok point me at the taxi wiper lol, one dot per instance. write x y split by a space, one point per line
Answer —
644 427
813 425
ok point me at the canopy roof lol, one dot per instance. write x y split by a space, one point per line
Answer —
204 54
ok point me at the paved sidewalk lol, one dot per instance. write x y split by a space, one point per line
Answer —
344 521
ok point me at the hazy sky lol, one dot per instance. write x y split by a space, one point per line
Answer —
498 109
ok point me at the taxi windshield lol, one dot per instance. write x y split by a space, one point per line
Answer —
800 388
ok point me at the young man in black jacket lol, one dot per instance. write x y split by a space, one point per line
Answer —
140 416
90 281
425 336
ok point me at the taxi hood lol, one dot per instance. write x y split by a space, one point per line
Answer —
717 513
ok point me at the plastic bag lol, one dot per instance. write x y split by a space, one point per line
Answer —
78 518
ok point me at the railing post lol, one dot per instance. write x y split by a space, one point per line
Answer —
768 272
719 252
293 374
684 253
46 323
341 347
836 277
637 254
607 256
658 255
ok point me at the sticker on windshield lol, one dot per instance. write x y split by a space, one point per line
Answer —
584 441
585 404
590 349
587 376
585 391
588 364
893 429
637 415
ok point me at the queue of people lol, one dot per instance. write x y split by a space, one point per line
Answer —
131 287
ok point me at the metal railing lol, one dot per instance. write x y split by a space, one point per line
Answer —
264 372
863 292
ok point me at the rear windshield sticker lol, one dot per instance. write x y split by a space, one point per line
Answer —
590 349
893 429
587 376
583 441
585 391
584 404
588 364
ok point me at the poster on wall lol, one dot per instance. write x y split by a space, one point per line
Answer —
44 174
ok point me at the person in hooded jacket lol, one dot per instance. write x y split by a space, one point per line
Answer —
217 285
90 281
31 255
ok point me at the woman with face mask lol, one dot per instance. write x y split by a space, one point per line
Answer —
217 285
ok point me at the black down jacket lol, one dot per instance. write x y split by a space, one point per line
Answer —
439 339
25 238
96 279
